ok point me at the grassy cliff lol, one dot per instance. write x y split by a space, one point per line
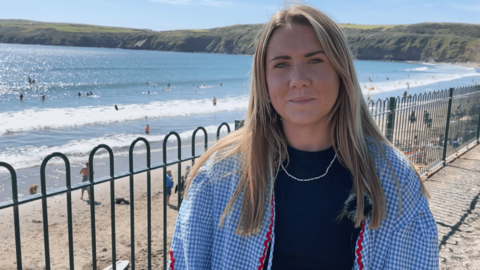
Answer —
448 42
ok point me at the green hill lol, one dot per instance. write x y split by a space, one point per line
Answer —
448 42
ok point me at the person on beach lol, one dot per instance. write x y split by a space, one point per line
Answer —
85 178
214 100
169 186
309 181
147 130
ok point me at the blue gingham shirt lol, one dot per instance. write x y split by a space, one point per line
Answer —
405 240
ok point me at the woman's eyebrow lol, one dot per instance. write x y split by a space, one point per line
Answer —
286 57
313 53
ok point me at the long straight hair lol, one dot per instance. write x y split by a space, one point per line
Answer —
262 145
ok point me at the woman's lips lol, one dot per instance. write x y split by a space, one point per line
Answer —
301 100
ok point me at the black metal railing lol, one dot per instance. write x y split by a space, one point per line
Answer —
428 128
69 188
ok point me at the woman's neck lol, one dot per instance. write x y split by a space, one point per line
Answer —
308 138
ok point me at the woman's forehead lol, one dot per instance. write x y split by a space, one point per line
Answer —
295 38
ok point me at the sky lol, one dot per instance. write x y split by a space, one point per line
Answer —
163 15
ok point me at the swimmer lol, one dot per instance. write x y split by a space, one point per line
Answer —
91 94
21 96
148 92
168 85
79 94
221 84
42 96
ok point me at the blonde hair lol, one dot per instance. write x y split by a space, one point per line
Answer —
262 144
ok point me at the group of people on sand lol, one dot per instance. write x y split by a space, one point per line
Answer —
85 172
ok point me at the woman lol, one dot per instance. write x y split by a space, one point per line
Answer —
283 191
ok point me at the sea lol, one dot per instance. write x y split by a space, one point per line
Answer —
169 91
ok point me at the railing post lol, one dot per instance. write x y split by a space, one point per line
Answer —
238 124
449 112
391 119
478 123
16 214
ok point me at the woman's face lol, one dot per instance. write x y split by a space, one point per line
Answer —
302 84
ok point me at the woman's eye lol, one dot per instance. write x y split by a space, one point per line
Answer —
280 65
316 60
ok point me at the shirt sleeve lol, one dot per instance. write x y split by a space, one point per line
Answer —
193 236
407 238
414 242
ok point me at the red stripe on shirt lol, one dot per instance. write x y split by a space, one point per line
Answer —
172 260
269 237
360 247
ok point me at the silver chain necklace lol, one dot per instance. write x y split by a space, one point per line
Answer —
313 178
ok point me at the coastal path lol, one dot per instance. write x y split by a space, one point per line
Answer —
454 202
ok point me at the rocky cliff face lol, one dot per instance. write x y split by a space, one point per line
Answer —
419 42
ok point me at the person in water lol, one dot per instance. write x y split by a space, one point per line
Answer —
116 107
42 96
309 181
79 94
21 96
147 130
214 101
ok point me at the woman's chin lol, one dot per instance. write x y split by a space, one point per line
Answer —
300 121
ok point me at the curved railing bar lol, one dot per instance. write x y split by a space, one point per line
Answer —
179 157
194 136
43 185
92 202
220 127
16 215
132 201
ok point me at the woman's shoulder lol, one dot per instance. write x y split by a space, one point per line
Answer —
386 158
217 170
397 174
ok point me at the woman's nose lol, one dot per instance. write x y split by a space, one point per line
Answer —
299 78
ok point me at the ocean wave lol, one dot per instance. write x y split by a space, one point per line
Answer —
415 69
60 118
373 88
78 151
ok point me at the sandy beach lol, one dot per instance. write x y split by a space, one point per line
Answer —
32 228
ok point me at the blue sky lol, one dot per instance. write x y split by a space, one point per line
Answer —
163 15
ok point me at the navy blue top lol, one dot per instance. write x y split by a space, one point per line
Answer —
308 234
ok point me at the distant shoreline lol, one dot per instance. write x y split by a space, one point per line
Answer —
465 64
414 42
